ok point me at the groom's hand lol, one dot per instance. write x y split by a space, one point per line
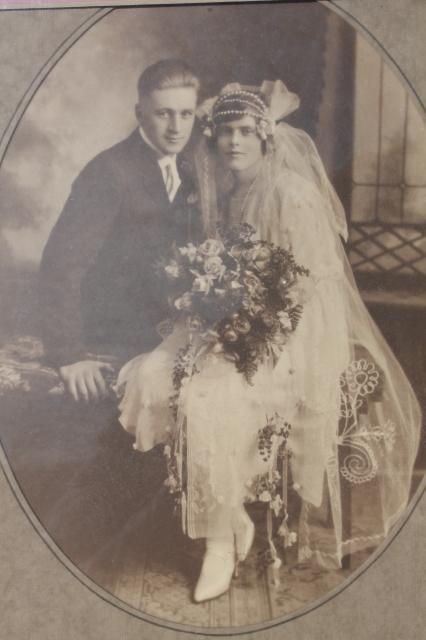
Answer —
84 380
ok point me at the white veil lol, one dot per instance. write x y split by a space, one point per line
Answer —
356 433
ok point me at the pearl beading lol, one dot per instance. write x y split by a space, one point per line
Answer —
240 112
255 105
230 97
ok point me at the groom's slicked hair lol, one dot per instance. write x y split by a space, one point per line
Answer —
167 74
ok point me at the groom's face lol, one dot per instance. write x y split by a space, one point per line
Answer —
167 117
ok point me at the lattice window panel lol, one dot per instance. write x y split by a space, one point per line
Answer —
388 248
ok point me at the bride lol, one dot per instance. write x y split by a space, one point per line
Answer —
336 381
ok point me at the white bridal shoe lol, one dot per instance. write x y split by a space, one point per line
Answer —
222 559
217 570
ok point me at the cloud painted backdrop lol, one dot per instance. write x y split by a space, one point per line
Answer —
86 104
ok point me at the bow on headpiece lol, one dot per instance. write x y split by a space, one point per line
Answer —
268 104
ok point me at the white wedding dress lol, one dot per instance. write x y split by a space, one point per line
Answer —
214 442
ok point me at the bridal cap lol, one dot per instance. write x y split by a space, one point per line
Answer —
268 104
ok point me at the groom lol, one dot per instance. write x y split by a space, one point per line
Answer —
99 290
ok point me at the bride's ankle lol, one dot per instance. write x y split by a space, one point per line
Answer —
244 533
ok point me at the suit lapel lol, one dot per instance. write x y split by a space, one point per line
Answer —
149 171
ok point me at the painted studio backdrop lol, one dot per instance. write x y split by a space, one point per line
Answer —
85 485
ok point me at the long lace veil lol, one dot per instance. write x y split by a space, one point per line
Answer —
357 401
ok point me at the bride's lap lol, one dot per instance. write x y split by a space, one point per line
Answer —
223 412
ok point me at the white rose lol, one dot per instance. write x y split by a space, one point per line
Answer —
190 251
172 269
184 302
171 483
214 267
201 284
292 537
284 319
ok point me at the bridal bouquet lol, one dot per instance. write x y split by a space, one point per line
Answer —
240 296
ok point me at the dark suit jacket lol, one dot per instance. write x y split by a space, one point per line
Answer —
99 289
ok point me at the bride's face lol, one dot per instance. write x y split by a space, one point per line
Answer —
238 144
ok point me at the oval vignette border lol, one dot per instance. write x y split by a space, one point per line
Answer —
5 140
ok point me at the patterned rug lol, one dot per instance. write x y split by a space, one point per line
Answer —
160 584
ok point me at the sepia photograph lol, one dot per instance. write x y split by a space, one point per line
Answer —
213 300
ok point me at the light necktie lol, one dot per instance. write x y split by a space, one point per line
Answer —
169 180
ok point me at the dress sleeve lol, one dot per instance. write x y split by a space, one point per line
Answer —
71 249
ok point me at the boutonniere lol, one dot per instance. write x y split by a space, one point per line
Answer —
185 166
192 197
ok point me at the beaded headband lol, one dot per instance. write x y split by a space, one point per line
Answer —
239 103
268 103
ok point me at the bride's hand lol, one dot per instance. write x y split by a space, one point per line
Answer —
84 380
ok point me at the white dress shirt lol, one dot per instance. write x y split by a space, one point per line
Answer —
164 162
